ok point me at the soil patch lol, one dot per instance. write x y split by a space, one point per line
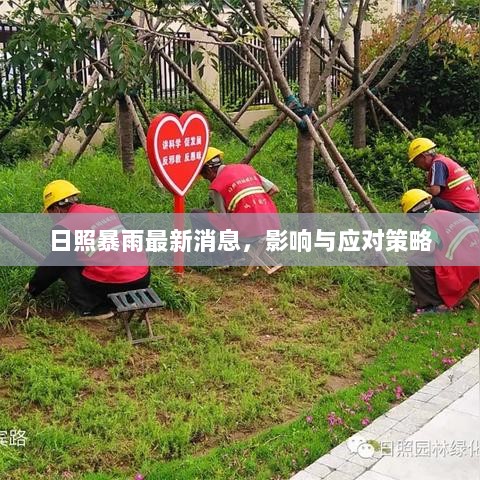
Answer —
335 383
15 342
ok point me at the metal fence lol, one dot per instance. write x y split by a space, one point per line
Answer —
13 81
238 82
164 83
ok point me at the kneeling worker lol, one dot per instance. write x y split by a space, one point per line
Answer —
88 280
239 189
442 277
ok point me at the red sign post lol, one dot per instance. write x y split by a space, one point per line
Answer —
176 149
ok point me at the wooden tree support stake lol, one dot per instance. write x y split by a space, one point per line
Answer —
374 114
136 122
339 181
222 116
330 144
21 245
77 109
390 115
88 138
142 109
264 138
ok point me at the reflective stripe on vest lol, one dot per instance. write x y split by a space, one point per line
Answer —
458 181
242 194
93 251
457 240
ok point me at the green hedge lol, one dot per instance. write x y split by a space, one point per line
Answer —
435 82
382 166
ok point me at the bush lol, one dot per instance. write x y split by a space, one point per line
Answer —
434 83
382 166
22 143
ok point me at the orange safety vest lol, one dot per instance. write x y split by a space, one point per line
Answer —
457 259
96 262
241 189
460 188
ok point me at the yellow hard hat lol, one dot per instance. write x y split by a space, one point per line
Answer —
418 146
412 198
212 153
58 190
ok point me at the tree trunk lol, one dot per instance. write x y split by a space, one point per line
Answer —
359 105
125 135
328 86
305 196
305 144
359 122
315 66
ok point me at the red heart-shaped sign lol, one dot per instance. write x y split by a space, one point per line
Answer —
176 149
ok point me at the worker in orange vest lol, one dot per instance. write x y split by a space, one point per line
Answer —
442 277
239 189
88 278
449 184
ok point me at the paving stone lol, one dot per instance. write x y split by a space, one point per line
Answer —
428 389
474 370
421 396
331 461
419 417
468 403
470 363
340 476
451 393
351 468
442 381
342 451
318 469
393 436
430 407
412 403
441 401
371 475
303 475
380 425
458 370
399 412
405 427
365 462
472 377
459 388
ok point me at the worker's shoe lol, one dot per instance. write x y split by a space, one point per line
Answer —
434 309
97 315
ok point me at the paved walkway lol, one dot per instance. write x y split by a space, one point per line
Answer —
433 435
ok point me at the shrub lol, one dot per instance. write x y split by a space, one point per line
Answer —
434 83
23 142
382 166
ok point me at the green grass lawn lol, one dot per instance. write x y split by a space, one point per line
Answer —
254 378
240 387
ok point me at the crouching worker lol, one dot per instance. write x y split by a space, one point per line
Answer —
87 277
450 185
442 277
239 189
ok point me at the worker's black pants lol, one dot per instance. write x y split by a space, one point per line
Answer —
441 204
89 296
424 281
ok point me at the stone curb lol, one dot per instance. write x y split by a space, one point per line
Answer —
398 423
